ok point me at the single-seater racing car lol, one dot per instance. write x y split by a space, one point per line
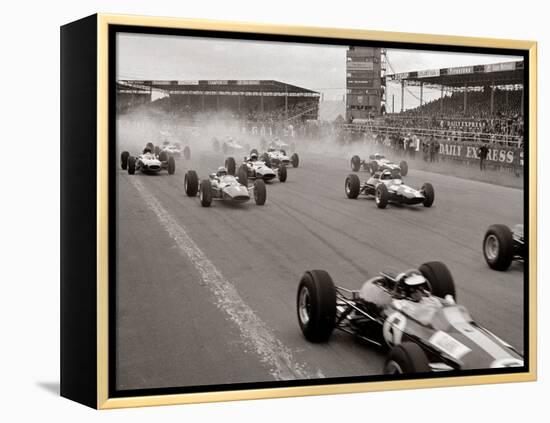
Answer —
276 158
414 314
387 186
230 146
254 168
174 149
502 245
377 162
148 162
223 186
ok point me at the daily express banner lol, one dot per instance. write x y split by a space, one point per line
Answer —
468 151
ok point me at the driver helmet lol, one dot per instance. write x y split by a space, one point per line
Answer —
254 157
222 171
147 150
414 284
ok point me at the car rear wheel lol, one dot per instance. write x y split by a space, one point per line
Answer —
295 160
124 160
171 165
373 167
352 186
316 305
440 279
429 194
282 173
163 156
406 358
242 174
191 183
404 168
186 152
131 165
498 247
355 163
265 158
230 165
381 196
205 193
260 192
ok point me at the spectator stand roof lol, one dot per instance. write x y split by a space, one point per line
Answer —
220 87
498 74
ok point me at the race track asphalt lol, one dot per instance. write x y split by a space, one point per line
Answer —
208 295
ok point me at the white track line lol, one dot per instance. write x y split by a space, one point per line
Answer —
254 332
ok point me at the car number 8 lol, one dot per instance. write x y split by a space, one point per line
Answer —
393 328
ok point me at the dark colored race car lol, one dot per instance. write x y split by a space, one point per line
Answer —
502 245
148 162
223 186
413 314
377 162
387 186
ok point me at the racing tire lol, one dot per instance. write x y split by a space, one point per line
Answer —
282 174
242 174
403 165
265 158
191 183
205 193
230 165
373 166
295 160
352 186
186 152
429 193
163 156
316 305
498 247
407 358
156 150
171 165
381 196
131 165
254 151
260 192
355 163
440 279
124 160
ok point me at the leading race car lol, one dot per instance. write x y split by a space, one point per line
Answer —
387 186
253 168
502 245
413 313
174 149
377 162
148 162
223 186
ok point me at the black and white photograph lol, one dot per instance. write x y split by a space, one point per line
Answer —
304 212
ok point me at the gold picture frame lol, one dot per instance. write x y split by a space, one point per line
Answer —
101 215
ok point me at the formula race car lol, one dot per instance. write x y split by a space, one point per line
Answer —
387 186
377 162
174 149
502 245
253 168
276 158
414 314
222 186
230 146
148 162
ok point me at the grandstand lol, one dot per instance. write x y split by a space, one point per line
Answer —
251 100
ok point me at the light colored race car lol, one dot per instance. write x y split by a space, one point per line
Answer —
223 186
387 186
502 245
254 168
230 146
174 149
413 313
148 162
377 162
275 158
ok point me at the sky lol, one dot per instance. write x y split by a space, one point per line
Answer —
317 67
